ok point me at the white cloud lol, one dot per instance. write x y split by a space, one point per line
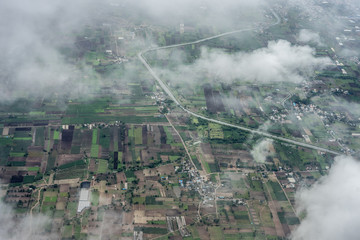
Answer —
18 227
210 13
332 204
261 150
278 62
308 36
33 31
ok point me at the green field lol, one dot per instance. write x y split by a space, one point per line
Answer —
278 192
67 232
94 151
104 138
64 194
206 165
215 131
75 149
78 171
33 169
169 136
50 199
23 138
138 200
196 162
102 166
174 158
17 154
72 208
94 137
120 164
215 233
138 135
39 136
95 198
56 135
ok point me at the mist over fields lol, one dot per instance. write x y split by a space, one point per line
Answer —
18 227
279 62
206 13
37 38
32 34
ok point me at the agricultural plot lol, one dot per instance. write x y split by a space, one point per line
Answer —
102 166
215 233
95 198
215 131
94 151
278 193
138 135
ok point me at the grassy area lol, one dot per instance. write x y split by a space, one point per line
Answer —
73 164
33 169
39 136
169 136
278 192
64 194
215 233
17 154
206 165
78 171
95 198
138 200
50 199
51 162
104 138
129 174
75 149
102 166
94 137
196 162
56 135
28 179
120 164
138 135
242 217
101 118
23 138
215 131
158 222
94 151
67 232
174 158
72 208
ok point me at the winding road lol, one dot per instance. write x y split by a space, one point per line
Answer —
254 131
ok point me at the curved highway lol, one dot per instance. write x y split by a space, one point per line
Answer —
254 131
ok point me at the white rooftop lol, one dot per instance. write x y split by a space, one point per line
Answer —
84 200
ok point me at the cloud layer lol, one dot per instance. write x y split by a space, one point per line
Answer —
332 204
261 150
308 36
15 227
209 13
32 34
278 62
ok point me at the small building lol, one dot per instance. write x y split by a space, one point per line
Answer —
291 180
85 185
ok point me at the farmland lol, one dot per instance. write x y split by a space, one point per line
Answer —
110 154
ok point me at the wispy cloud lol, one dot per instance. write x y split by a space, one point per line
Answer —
20 227
331 204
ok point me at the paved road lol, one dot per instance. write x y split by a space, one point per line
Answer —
254 131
